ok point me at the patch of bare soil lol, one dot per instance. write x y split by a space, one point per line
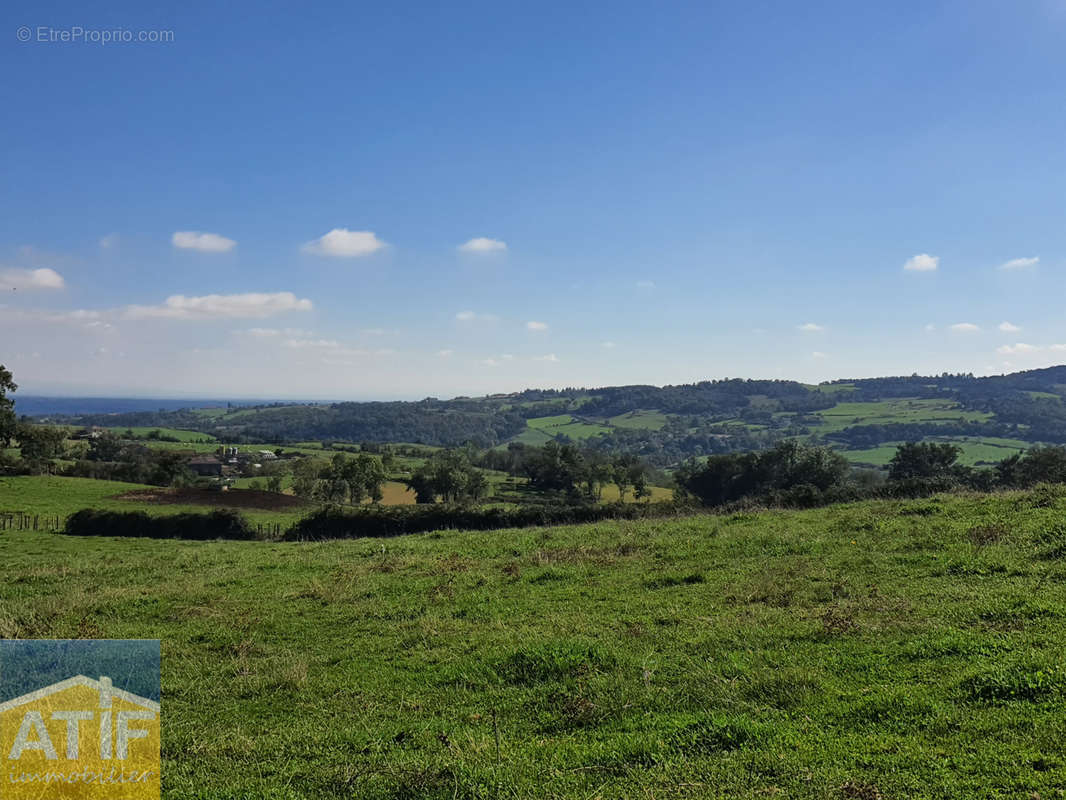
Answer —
233 498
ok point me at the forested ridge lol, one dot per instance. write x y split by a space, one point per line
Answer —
695 419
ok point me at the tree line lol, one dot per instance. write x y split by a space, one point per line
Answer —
793 474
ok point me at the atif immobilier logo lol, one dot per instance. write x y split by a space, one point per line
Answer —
79 719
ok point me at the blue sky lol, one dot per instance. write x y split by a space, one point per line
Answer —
669 192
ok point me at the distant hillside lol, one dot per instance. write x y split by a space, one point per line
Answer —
988 417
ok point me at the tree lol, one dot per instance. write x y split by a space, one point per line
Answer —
786 467
555 467
1039 464
628 471
923 461
170 469
598 471
449 475
304 476
342 480
105 446
8 421
40 442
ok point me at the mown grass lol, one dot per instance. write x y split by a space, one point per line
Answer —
881 649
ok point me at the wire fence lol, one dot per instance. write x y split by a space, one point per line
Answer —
21 521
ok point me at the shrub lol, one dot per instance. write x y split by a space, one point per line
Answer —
220 524
336 523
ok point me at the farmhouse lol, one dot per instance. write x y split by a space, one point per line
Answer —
205 465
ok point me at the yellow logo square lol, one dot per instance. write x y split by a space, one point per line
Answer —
80 738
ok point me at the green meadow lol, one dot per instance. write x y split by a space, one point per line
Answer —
173 433
886 412
637 420
873 650
540 430
975 450
51 495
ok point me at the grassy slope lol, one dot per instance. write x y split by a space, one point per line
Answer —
774 654
52 495
567 425
174 433
884 412
975 450
646 420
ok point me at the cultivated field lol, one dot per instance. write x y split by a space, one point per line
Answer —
882 649
886 412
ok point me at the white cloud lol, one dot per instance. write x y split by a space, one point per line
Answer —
253 305
30 279
810 327
549 357
266 333
930 327
537 326
965 327
109 241
489 362
645 284
446 353
923 262
471 316
204 242
818 354
1007 327
94 320
482 244
1020 263
609 345
329 344
343 243
1021 348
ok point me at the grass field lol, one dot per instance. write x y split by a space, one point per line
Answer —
174 433
57 496
885 412
888 649
832 388
975 451
637 420
565 424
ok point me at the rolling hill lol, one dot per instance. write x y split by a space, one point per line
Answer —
989 417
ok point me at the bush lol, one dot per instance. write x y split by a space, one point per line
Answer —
336 523
221 524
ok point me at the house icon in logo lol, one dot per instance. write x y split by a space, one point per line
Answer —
79 738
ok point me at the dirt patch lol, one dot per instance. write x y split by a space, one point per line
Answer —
234 498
